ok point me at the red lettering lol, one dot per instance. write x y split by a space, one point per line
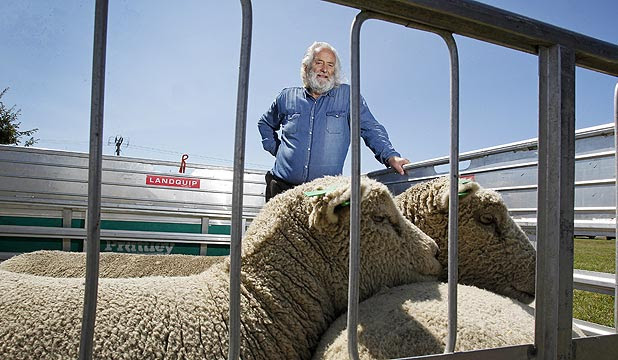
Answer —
159 180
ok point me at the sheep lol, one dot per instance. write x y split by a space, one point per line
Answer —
494 253
293 285
111 265
411 320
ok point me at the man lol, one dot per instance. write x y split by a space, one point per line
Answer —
314 122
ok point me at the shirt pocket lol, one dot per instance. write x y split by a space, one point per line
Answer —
290 126
336 122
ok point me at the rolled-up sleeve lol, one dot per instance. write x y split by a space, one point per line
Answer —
375 135
268 125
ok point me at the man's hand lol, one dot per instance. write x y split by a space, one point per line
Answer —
397 163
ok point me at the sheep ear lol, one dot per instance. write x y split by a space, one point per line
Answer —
328 204
464 190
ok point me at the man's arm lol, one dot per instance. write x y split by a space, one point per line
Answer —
376 138
268 125
397 163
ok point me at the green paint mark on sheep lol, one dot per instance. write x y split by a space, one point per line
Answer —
320 192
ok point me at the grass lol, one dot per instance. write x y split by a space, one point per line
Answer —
594 255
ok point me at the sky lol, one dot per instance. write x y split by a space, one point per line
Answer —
172 74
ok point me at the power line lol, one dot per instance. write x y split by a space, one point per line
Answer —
158 150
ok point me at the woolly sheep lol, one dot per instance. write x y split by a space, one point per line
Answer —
412 320
293 285
111 265
494 253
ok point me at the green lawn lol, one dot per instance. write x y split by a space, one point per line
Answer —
594 255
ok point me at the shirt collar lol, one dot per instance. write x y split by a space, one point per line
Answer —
328 93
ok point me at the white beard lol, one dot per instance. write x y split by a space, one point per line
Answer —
317 86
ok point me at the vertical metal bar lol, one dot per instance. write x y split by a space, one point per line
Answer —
556 176
355 204
355 185
453 274
616 240
67 218
238 181
204 247
93 230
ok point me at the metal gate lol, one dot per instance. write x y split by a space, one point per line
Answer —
559 51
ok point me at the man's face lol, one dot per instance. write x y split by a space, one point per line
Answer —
322 71
324 65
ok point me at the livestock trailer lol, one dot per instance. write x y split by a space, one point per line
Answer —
147 206
511 170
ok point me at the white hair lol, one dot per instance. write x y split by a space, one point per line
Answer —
305 64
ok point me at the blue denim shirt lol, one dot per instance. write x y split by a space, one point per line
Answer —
315 133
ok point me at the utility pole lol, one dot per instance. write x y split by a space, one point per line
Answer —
118 141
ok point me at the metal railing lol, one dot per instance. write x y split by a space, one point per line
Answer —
616 176
94 180
352 321
93 223
237 190
558 50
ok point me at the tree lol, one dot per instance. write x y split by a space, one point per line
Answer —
9 126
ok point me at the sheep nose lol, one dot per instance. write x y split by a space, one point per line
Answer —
436 250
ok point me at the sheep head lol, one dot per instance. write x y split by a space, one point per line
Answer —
311 223
494 253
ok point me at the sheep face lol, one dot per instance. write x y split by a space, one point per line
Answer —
314 231
494 253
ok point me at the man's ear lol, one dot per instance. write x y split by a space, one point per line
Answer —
464 190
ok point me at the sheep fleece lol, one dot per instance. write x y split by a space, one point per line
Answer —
411 320
111 265
293 285
494 253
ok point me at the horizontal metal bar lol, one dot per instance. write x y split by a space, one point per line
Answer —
441 161
116 207
604 347
127 185
593 281
592 329
608 225
608 209
122 235
518 352
497 26
123 172
534 186
524 145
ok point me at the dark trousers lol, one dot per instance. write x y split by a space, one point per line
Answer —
275 185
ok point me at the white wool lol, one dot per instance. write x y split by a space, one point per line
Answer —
494 253
412 320
293 284
111 265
